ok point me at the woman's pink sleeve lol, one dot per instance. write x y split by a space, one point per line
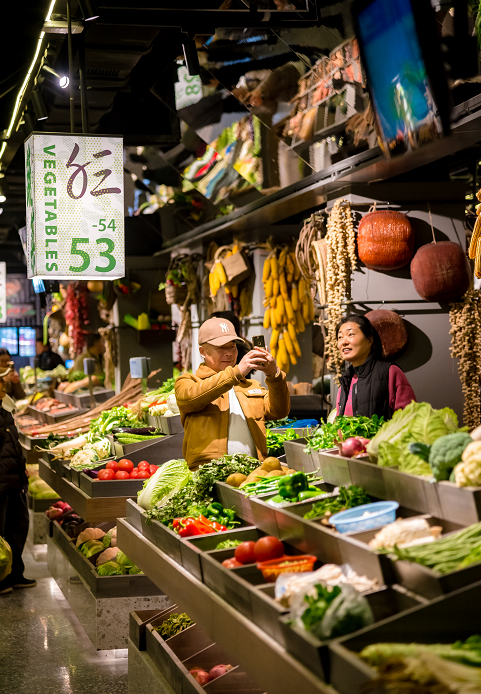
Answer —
400 391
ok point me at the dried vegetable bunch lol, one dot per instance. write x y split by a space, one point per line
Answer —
288 303
475 245
340 263
76 316
311 254
465 319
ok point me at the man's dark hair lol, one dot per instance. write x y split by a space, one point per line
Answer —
39 339
4 351
92 339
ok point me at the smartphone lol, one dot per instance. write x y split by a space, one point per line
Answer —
259 341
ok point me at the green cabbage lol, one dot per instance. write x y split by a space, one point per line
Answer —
123 560
107 538
91 547
111 568
5 559
416 423
135 570
167 481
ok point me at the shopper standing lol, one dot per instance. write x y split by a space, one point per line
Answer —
221 410
14 517
95 350
12 382
369 386
47 358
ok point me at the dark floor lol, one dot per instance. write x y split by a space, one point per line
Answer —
43 648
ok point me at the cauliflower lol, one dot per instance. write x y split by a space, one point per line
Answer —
468 472
102 448
446 452
172 404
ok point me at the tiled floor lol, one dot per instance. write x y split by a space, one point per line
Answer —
43 648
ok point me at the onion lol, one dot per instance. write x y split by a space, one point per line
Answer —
201 676
218 671
353 446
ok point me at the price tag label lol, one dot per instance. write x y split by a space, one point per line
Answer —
75 206
188 90
3 292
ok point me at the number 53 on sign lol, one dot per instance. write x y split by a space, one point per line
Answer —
75 206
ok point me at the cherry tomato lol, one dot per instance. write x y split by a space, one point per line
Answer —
268 548
134 474
122 475
231 563
144 465
112 465
244 553
143 475
125 464
153 468
106 475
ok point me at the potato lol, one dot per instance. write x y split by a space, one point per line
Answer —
290 471
275 473
270 464
236 479
258 472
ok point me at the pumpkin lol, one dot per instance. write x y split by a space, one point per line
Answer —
391 329
95 286
440 271
385 240
89 534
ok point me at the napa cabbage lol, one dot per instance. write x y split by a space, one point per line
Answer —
166 482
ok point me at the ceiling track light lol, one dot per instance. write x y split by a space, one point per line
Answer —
89 10
63 80
3 197
191 57
38 105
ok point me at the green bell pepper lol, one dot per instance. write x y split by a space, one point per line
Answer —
215 509
309 494
291 486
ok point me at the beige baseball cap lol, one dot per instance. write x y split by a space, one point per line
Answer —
6 371
218 332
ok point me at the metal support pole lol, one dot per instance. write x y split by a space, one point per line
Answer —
70 68
84 104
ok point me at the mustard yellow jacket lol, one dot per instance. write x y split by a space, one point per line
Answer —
203 401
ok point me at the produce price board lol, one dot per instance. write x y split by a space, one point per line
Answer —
75 206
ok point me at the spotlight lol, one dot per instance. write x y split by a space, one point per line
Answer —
38 105
62 79
3 197
89 10
191 57
1 210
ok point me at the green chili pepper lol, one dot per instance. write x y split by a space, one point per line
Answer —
309 494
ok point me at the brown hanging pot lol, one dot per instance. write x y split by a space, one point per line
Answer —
391 329
385 240
440 271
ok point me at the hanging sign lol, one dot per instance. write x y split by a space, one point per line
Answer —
3 292
188 90
75 206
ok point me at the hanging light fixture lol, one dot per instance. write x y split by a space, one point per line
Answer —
63 80
38 105
191 57
89 10
3 197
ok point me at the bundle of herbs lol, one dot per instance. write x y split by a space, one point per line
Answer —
341 429
348 497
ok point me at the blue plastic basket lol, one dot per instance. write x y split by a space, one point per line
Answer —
351 521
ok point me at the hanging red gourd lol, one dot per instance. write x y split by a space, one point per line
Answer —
440 271
385 240
391 329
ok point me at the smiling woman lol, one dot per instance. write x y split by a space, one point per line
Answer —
369 386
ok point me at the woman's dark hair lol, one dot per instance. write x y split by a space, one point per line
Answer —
367 330
4 351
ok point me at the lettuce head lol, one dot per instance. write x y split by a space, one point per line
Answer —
5 559
167 481
111 568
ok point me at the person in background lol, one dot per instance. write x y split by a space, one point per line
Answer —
221 410
14 517
369 386
95 350
13 386
47 359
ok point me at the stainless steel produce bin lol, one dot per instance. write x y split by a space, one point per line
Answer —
296 458
192 548
334 468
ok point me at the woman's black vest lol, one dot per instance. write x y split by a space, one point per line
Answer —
371 392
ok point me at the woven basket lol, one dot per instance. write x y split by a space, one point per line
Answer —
176 295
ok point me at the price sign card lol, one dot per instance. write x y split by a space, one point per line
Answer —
75 206
3 292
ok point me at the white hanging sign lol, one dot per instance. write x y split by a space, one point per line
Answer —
188 90
3 292
75 206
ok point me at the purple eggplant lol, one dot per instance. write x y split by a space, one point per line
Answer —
91 473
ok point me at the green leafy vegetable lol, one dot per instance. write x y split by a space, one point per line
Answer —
134 570
75 376
446 453
174 625
325 436
276 423
229 544
166 482
348 497
113 419
91 547
275 440
5 559
466 652
123 560
111 568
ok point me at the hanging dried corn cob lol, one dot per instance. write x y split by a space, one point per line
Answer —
475 245
288 305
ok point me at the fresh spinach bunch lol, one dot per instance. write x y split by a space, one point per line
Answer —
343 428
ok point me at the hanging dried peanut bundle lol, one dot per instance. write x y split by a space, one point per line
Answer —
465 319
340 263
475 245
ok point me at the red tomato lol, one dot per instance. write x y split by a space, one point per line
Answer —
125 464
244 553
268 548
122 475
231 563
106 475
112 465
153 468
143 465
134 474
143 475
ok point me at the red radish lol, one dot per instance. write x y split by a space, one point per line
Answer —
201 676
352 447
218 671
